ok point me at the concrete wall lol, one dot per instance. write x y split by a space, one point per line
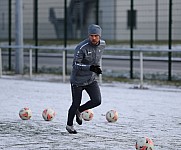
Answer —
3 19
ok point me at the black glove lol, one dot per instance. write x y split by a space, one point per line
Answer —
96 69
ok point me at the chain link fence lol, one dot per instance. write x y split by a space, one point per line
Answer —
125 23
150 19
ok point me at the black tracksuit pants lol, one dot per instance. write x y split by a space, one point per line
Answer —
93 91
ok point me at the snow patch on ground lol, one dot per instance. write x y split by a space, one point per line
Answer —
154 112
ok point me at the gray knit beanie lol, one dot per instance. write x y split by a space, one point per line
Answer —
94 29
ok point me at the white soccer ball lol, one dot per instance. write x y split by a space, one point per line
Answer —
25 113
48 114
112 116
87 115
144 143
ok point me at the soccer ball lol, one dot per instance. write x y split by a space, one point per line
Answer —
144 143
48 114
87 115
112 116
25 113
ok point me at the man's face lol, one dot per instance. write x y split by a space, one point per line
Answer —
94 38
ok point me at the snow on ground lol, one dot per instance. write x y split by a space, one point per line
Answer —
154 112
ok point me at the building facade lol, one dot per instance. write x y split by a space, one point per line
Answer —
150 19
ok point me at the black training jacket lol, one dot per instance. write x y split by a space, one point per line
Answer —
86 55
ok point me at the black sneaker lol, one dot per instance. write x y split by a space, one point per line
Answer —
78 118
71 129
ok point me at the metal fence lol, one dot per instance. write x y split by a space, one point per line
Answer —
64 23
62 50
154 20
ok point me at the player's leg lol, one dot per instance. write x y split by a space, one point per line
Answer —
78 117
94 93
76 100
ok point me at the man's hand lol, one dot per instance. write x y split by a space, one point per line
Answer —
96 69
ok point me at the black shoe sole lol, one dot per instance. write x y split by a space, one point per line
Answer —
71 132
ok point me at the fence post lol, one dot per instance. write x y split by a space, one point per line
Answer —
19 37
30 59
0 64
63 65
141 69
170 42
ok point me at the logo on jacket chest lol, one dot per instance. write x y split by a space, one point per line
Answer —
89 52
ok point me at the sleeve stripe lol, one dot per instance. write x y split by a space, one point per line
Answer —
83 45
